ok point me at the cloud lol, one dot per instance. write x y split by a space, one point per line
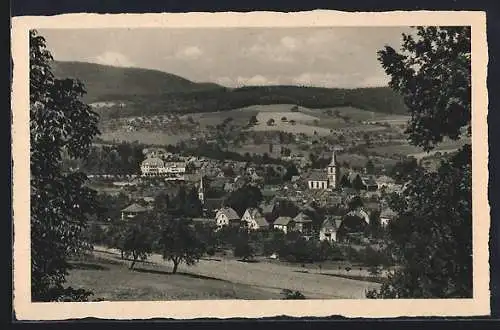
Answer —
190 52
114 59
256 80
290 43
273 51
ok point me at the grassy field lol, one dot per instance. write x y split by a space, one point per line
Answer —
111 279
406 149
143 136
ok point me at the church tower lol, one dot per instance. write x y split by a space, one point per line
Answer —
332 172
201 194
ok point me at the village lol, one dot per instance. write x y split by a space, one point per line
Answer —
345 192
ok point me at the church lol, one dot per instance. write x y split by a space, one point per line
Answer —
321 179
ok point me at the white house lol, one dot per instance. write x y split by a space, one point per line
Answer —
284 224
386 216
253 219
329 229
226 216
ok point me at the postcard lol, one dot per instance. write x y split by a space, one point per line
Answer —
223 165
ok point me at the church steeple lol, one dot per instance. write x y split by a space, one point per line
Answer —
332 172
333 161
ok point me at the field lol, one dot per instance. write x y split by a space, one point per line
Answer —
143 136
110 279
406 149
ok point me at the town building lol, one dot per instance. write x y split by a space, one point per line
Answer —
227 216
319 179
254 220
285 224
329 229
132 211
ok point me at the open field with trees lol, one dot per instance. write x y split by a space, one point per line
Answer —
208 279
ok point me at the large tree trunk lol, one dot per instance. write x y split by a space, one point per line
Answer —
176 264
133 261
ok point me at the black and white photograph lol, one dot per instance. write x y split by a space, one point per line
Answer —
253 163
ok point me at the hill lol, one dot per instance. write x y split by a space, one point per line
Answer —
149 92
104 80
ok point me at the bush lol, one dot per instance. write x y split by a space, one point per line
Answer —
290 294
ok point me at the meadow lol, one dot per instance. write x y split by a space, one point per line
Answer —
110 279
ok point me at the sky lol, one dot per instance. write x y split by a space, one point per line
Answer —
342 57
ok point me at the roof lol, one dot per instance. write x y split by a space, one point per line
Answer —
332 222
302 217
230 213
254 212
388 213
368 181
282 221
317 176
152 161
134 208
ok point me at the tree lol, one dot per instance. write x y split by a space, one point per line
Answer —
291 171
138 239
270 122
253 120
180 242
244 249
270 148
243 198
433 74
370 167
432 238
283 118
357 183
293 122
59 121
344 181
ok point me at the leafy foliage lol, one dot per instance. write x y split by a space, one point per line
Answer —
433 73
138 239
432 239
290 294
59 121
181 243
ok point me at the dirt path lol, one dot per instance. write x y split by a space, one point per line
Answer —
272 277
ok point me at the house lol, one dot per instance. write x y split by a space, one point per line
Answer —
152 166
132 211
329 228
253 219
317 180
360 213
227 216
302 223
387 215
369 183
284 224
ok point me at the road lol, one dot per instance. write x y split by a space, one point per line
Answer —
272 277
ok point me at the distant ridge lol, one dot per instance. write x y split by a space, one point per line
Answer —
149 92
105 79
